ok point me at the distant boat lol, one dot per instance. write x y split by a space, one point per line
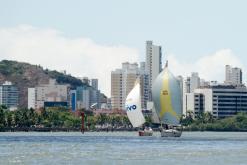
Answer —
167 100
134 111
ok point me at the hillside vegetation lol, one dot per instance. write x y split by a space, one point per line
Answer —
25 75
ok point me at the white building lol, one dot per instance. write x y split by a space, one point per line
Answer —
198 102
181 83
86 98
51 92
204 83
194 81
220 100
153 61
31 98
233 76
190 84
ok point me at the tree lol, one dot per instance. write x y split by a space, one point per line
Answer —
188 119
2 118
126 121
148 120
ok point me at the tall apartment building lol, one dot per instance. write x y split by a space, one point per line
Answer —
233 76
94 83
51 92
83 97
88 97
144 83
31 98
9 95
190 84
122 82
153 61
181 83
194 81
73 100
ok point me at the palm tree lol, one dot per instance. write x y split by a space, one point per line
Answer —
101 119
126 121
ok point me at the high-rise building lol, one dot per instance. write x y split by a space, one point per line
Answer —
31 98
144 83
73 100
189 85
233 76
9 95
122 82
94 83
95 98
153 61
116 89
88 97
181 84
194 81
83 97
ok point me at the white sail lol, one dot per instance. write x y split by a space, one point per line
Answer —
133 106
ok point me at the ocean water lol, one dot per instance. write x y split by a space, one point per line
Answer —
120 148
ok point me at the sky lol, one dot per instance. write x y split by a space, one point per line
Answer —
92 38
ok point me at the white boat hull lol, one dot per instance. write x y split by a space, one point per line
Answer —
170 133
145 133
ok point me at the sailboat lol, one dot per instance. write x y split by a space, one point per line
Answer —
167 100
134 111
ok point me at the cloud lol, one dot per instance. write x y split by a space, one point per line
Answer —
52 49
83 57
209 67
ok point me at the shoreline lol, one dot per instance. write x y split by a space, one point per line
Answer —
27 129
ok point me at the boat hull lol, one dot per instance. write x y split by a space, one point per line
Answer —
145 133
170 133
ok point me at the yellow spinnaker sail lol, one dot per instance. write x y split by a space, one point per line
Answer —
167 98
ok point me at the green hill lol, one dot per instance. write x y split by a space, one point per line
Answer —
25 75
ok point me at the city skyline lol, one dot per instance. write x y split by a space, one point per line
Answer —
198 38
123 82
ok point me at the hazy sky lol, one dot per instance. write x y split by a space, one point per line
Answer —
91 38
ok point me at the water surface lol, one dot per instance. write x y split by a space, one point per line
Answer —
203 148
